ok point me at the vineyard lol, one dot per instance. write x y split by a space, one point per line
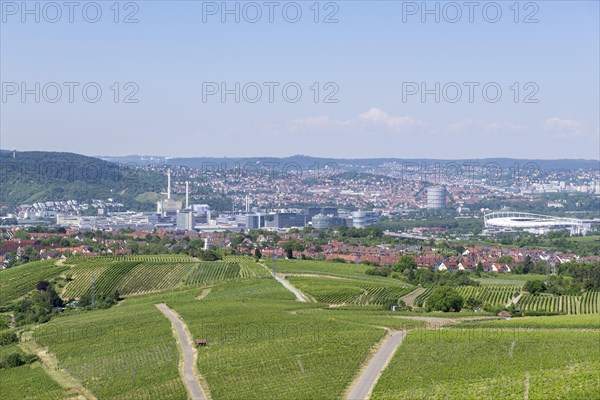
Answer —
587 303
29 382
501 364
354 271
496 295
147 274
573 321
260 350
350 292
127 352
420 300
17 282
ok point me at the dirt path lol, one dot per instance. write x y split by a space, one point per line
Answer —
49 364
410 298
363 386
526 393
433 322
299 295
514 300
188 372
279 278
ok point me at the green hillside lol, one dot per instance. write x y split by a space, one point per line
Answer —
36 176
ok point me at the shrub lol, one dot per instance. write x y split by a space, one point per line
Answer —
534 287
13 360
445 299
8 338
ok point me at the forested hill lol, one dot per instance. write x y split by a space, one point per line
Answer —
35 176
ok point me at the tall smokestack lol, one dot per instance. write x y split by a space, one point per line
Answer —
187 194
169 184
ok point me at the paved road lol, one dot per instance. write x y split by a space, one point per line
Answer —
366 382
291 288
189 378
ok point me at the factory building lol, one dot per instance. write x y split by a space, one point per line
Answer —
168 207
185 220
361 219
250 221
321 221
285 220
310 212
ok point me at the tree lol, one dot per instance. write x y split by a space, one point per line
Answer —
445 299
405 262
527 265
42 286
21 234
292 245
257 253
506 259
473 303
534 287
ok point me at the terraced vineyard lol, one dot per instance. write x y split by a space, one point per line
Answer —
248 267
128 277
349 291
147 274
496 295
17 282
588 303
420 300
205 272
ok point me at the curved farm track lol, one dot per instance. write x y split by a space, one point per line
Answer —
188 370
410 298
363 385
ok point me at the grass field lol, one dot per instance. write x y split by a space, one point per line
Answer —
483 364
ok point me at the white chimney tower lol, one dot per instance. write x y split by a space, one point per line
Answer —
187 194
169 184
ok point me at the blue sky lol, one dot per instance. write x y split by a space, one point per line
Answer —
368 57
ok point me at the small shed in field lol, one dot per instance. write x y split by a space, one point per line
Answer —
201 342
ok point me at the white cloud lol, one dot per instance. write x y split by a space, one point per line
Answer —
564 127
480 127
373 117
400 123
